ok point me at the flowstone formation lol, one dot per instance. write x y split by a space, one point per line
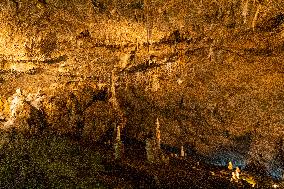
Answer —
64 112
212 73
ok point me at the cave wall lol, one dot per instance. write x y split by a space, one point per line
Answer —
216 85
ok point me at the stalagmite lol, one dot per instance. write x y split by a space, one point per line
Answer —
158 134
182 154
153 146
237 172
118 145
155 83
230 166
118 134
211 54
150 150
236 175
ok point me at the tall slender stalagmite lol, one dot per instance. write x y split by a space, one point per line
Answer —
118 145
121 120
153 145
158 134
182 153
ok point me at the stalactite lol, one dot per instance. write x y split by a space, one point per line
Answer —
114 102
149 21
256 16
245 11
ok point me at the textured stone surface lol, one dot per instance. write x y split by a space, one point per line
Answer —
213 75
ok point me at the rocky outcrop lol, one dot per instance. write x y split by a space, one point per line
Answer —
83 113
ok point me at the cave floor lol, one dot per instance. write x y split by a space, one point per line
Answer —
134 171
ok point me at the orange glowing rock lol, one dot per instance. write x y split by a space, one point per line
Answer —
238 171
230 166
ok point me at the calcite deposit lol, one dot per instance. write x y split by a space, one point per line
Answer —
210 72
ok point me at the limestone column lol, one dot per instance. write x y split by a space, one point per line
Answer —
118 145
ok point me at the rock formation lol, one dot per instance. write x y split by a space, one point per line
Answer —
215 81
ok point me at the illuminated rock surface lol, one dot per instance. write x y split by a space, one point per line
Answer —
213 74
